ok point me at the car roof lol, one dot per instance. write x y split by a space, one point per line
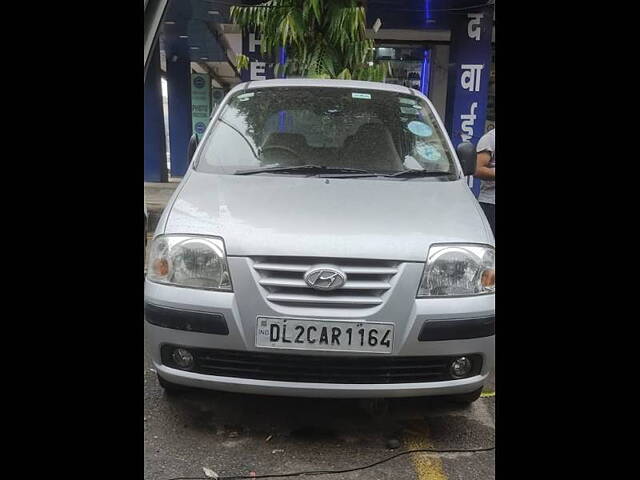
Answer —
324 82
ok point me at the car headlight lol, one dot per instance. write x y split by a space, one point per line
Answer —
189 261
458 270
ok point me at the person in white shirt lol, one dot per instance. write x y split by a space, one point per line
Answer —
486 171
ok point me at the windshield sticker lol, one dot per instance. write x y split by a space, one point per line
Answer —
408 101
412 163
420 129
409 111
427 151
245 96
366 96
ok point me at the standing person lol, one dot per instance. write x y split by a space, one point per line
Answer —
486 171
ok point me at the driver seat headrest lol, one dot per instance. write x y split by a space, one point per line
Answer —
372 147
294 141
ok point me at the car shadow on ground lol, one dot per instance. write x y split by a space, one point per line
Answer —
310 419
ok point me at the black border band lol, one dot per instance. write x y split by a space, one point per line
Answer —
458 329
188 320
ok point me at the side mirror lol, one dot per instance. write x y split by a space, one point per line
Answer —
467 155
193 144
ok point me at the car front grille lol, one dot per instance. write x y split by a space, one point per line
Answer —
320 369
368 281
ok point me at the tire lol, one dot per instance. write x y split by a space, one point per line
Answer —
466 398
171 388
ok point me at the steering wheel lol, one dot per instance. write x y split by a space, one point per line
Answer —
281 147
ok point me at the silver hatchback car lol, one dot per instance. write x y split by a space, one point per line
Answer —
324 243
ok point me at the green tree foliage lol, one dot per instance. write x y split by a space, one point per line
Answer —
323 38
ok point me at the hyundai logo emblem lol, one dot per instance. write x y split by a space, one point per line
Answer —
325 278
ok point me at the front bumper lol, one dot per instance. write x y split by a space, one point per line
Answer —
319 390
408 314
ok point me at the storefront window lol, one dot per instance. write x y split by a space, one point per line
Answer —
408 63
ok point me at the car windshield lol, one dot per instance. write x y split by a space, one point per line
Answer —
376 131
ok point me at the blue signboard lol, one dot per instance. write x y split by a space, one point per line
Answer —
260 66
471 59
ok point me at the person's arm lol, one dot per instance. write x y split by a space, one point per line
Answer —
483 171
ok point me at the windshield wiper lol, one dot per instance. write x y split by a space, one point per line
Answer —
419 173
312 169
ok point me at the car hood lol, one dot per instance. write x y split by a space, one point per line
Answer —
320 217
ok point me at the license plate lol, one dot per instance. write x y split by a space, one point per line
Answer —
324 335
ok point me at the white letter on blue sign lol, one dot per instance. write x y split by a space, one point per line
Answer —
473 27
470 78
253 42
257 70
468 121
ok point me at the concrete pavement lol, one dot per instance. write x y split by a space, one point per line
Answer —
235 434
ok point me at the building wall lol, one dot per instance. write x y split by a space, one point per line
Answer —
439 78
